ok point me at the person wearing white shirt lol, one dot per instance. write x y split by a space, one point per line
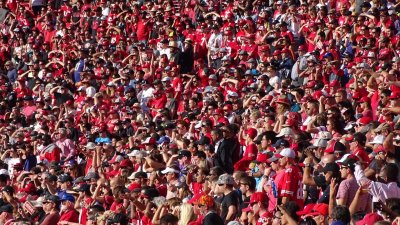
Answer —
214 42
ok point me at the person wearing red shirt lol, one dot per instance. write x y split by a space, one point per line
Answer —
158 102
68 212
250 150
357 148
230 44
251 47
290 187
49 33
259 206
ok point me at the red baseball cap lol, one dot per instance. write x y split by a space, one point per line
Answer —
365 120
370 219
319 209
251 132
258 197
364 99
307 209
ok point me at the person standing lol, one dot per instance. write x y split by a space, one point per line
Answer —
230 201
290 187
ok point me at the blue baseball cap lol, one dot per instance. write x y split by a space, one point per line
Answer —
67 197
163 139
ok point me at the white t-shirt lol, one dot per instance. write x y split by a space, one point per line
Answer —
11 163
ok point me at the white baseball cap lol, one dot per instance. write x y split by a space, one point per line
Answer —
286 152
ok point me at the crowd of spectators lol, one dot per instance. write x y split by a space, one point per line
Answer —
199 112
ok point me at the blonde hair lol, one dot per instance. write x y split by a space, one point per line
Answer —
186 214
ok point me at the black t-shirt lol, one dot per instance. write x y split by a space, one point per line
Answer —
212 218
228 200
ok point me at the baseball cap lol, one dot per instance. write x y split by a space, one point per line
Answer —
90 145
335 146
370 219
203 141
258 197
281 143
322 143
285 131
286 152
65 178
91 175
195 198
116 159
225 179
331 167
169 170
307 209
378 139
6 208
251 132
347 160
184 153
163 139
67 197
52 198
319 209
149 141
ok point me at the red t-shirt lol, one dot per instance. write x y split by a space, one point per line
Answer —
70 216
142 30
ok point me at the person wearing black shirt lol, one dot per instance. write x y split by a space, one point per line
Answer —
226 151
62 96
230 201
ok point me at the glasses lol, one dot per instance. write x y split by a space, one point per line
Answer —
44 203
343 167
220 185
240 183
382 96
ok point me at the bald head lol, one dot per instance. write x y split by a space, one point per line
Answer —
328 158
